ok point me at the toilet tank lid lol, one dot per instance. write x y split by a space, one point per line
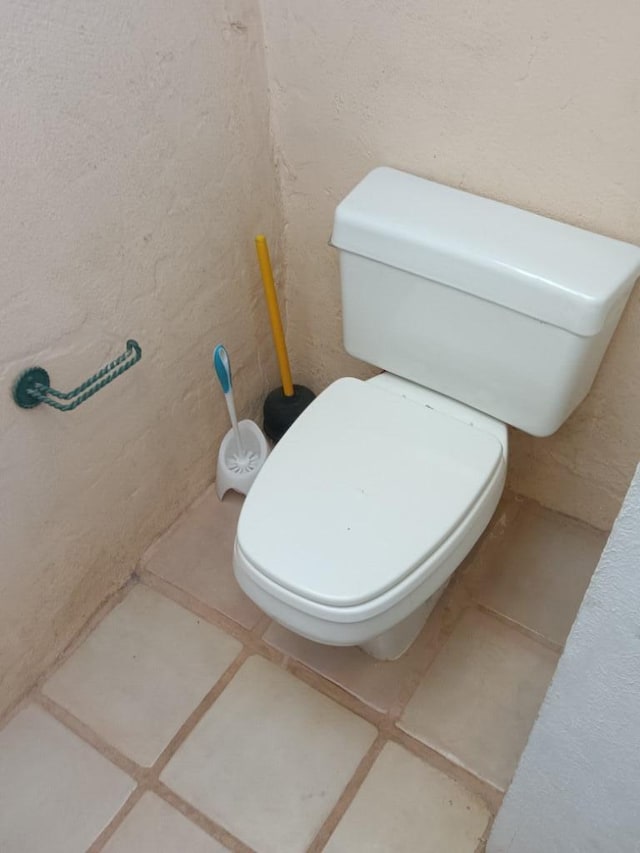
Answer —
540 267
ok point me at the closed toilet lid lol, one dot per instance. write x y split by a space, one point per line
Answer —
363 488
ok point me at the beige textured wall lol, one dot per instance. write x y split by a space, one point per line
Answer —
536 104
135 169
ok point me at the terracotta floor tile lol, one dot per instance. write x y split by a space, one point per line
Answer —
376 683
196 556
141 672
270 758
540 571
404 805
56 792
154 827
480 697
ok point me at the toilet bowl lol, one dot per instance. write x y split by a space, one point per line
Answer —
364 510
481 315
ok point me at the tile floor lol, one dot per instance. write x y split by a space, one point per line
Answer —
183 720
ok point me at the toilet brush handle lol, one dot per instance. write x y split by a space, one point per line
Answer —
231 407
222 366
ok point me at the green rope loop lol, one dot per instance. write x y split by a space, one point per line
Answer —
104 376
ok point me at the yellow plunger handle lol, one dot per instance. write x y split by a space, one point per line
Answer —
274 315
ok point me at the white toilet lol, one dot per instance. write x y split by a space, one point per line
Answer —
482 315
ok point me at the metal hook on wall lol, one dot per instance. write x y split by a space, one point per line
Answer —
32 386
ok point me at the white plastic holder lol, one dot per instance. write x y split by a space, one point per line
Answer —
231 475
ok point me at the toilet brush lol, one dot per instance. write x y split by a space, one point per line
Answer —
244 448
286 403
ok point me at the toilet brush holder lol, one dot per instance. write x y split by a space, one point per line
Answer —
237 473
244 448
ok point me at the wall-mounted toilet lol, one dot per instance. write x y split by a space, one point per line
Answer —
481 315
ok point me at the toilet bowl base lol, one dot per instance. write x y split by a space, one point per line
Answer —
393 643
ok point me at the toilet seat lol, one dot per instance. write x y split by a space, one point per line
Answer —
369 497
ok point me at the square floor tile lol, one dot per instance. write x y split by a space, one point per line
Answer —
154 827
541 570
141 672
196 555
404 805
56 792
481 695
377 683
270 758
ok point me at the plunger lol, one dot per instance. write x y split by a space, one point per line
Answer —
286 403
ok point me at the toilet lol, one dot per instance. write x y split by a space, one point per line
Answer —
480 315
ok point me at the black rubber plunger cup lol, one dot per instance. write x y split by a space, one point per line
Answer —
281 411
282 405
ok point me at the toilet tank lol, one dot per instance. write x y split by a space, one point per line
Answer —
501 309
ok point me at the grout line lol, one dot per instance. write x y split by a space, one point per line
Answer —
171 527
147 778
255 644
89 626
262 626
197 714
14 709
333 691
193 604
251 638
347 796
203 821
102 610
540 507
386 725
489 793
259 647
484 838
520 628
442 634
116 822
88 735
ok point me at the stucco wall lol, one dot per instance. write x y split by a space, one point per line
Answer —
135 169
535 104
577 785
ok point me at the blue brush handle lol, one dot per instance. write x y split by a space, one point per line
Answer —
222 367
